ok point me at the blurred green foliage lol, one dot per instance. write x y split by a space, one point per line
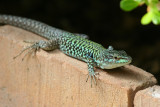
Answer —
153 7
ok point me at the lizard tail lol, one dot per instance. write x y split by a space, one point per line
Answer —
32 26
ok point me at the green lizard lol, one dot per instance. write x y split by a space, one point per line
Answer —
74 45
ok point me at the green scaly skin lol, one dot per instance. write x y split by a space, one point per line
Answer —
74 45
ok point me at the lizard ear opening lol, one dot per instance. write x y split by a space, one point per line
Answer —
110 48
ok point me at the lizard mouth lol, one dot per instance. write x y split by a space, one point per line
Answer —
117 63
126 60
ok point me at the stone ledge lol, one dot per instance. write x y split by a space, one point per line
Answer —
54 79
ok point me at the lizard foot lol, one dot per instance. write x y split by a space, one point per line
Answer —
32 48
93 76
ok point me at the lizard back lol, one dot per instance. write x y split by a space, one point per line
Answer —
79 47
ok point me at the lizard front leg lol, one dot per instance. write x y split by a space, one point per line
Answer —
91 70
42 44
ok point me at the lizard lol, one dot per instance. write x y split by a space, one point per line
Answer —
72 44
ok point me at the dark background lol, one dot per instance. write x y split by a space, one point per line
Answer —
102 20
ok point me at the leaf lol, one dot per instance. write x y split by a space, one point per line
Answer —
139 0
147 18
156 17
128 5
146 1
153 1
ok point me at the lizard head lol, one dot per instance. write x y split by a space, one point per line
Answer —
113 58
